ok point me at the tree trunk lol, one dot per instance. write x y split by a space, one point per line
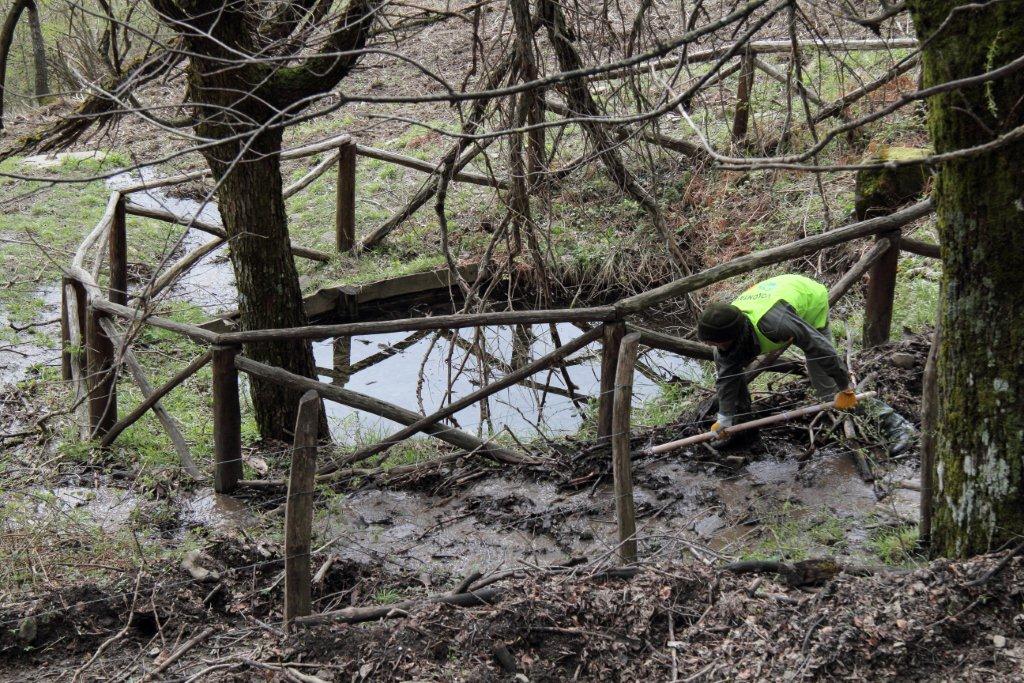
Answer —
979 449
6 40
252 207
38 51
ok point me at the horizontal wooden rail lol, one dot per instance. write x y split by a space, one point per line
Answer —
672 343
353 399
920 247
436 322
785 252
131 314
163 215
427 167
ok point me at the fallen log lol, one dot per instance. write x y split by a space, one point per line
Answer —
353 399
736 429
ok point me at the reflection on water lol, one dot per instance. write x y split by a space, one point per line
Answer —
426 372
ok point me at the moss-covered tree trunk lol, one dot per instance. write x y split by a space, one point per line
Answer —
978 498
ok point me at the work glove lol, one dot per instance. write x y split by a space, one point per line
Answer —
720 424
846 400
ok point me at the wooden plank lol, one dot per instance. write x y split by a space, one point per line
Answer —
785 252
117 244
298 511
744 426
436 322
612 336
345 208
508 380
414 283
622 466
881 294
227 420
455 437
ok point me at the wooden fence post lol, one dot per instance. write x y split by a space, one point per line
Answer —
746 84
65 332
881 291
622 466
117 245
101 375
613 333
227 420
346 200
298 511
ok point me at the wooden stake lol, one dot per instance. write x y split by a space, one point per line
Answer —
101 375
227 420
298 514
735 429
613 333
346 201
929 423
622 466
746 84
65 332
117 245
880 294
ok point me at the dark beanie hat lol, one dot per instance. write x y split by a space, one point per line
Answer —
720 322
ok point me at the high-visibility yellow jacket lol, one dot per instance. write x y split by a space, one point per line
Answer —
808 298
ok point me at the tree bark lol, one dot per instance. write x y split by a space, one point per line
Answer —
241 102
979 449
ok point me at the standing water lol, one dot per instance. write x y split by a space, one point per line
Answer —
433 371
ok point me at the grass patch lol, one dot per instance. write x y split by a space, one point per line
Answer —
895 546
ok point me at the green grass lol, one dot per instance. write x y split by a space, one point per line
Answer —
895 546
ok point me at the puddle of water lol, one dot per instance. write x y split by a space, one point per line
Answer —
217 511
522 410
15 362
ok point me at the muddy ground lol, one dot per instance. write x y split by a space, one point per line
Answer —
538 543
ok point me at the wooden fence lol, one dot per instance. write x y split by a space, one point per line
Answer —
94 347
